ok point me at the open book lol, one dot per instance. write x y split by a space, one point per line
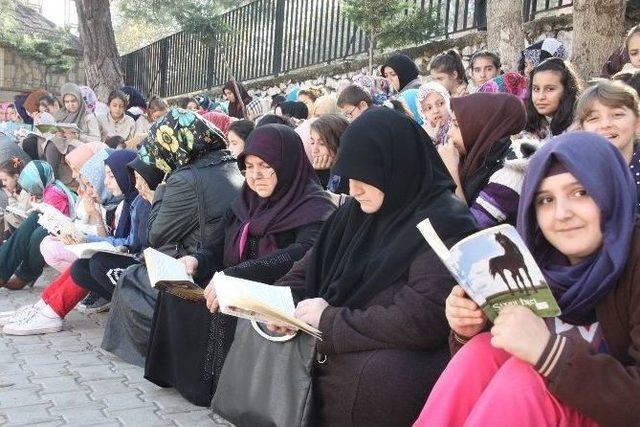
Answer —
17 211
170 275
87 250
260 302
57 127
56 222
495 268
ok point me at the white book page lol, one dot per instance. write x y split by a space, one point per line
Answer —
162 267
230 289
93 247
436 243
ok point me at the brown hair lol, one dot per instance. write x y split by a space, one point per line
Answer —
354 95
613 94
312 92
157 104
632 32
13 166
449 62
330 127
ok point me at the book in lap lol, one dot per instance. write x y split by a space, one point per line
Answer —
260 302
237 297
495 269
87 250
170 275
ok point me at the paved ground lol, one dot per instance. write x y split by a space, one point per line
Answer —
67 379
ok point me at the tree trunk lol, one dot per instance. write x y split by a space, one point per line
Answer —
101 58
505 33
372 47
598 29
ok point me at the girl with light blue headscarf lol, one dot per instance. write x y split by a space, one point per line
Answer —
38 179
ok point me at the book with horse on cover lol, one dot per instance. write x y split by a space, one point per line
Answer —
495 269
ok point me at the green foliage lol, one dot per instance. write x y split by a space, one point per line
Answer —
392 23
192 16
48 51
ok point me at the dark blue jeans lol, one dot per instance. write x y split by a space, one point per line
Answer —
20 254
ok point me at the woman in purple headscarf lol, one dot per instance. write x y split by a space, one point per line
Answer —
582 368
272 224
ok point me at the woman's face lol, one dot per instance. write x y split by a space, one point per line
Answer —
369 197
116 108
619 125
634 50
111 183
455 136
449 81
155 115
308 102
568 217
392 77
434 109
89 190
143 187
9 182
12 115
71 103
483 70
261 177
318 147
235 143
229 95
547 92
191 105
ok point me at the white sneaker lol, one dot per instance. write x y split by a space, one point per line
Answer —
7 317
36 322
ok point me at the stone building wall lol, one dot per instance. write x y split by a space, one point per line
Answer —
18 75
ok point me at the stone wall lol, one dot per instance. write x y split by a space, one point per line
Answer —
18 75
556 24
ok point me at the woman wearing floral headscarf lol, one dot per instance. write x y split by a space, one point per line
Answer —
202 181
434 107
534 54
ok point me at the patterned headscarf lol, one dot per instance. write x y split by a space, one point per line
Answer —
440 135
90 98
547 48
377 87
179 138
510 82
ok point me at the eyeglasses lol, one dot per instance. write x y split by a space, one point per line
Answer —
258 173
349 115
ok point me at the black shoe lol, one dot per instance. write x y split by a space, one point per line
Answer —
98 306
90 299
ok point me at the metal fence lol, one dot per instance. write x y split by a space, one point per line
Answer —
531 7
270 37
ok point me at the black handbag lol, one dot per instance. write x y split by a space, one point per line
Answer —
266 383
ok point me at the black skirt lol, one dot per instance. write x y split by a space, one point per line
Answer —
187 347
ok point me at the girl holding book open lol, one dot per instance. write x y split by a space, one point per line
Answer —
272 224
577 216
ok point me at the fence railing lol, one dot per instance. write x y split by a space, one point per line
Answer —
270 37
532 7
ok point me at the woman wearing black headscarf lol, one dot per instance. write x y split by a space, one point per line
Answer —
137 104
293 109
372 285
401 72
238 98
271 225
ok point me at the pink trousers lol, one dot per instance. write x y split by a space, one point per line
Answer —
485 386
55 254
63 294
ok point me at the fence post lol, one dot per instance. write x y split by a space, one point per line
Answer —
164 62
278 37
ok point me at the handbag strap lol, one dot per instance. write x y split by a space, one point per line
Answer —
201 211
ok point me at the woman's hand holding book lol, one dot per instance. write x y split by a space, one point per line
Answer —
465 318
